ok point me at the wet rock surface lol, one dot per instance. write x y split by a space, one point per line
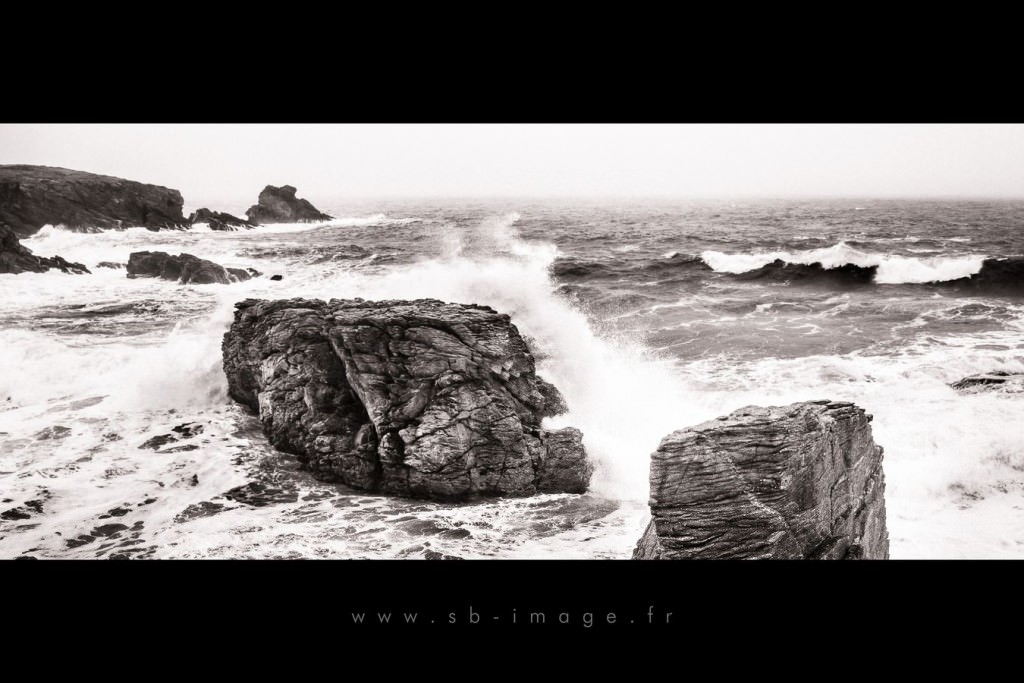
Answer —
420 398
802 481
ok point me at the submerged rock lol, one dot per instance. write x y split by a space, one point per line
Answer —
420 398
280 205
110 264
34 196
17 258
218 220
802 481
184 268
998 380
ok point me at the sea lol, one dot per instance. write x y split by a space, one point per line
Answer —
650 316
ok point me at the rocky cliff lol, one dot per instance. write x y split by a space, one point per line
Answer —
17 258
802 481
34 196
419 398
280 205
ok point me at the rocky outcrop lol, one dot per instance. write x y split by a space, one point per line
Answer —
185 269
999 380
17 258
218 220
34 196
802 481
280 205
419 398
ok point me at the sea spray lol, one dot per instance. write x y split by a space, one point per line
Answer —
621 397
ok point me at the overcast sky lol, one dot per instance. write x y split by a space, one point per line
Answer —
234 161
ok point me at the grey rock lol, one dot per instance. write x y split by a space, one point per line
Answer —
419 398
184 268
17 258
280 205
998 380
218 220
34 196
802 481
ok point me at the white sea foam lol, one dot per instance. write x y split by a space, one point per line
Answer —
892 268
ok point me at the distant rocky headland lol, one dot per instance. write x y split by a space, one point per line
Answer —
34 196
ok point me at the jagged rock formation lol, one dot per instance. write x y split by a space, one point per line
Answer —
186 269
17 258
280 205
419 398
218 220
34 196
802 481
1000 380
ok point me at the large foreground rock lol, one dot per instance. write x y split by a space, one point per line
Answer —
802 481
280 205
419 398
34 196
185 269
17 258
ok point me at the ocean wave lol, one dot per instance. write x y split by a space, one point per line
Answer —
889 268
779 270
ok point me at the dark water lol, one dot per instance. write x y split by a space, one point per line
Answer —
650 317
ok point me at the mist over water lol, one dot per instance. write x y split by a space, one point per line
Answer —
632 311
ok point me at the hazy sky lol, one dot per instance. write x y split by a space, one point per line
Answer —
235 161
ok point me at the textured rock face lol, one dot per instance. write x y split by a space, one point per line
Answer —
34 196
17 258
186 269
802 481
419 398
218 220
280 205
